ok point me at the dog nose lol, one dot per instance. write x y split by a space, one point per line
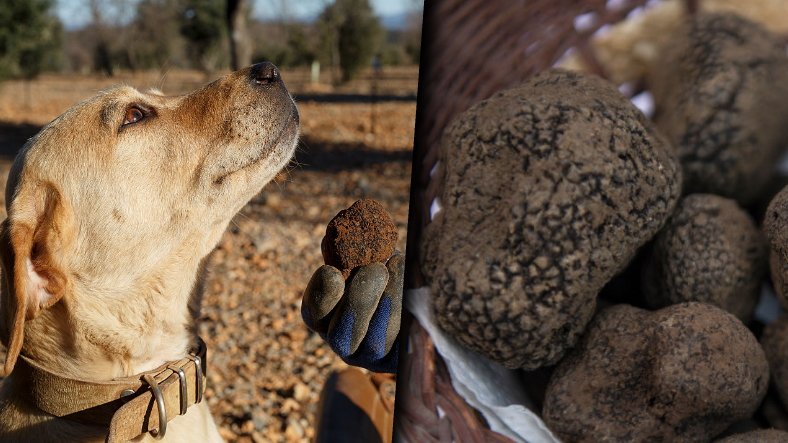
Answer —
265 73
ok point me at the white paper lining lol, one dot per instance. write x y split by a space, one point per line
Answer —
488 387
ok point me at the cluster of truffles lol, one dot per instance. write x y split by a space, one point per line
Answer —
552 188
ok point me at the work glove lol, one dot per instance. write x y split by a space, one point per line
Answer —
358 318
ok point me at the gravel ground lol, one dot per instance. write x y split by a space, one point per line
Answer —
266 369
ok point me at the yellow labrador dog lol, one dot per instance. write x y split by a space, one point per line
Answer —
111 209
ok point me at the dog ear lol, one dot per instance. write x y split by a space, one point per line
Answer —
31 280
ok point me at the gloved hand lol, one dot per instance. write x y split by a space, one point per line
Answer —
359 318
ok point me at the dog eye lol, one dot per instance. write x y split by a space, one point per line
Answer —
133 115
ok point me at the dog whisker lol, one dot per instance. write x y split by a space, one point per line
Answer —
163 78
237 226
241 214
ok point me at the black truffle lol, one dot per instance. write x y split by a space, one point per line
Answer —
759 436
775 343
710 251
360 235
721 95
549 189
775 224
681 374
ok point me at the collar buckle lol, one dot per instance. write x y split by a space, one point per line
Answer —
184 389
199 372
160 406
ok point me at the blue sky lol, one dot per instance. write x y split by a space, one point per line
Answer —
75 13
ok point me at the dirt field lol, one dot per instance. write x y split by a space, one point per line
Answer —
266 369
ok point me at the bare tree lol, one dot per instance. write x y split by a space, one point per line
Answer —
237 23
102 59
108 20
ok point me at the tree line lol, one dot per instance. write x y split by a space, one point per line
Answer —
199 34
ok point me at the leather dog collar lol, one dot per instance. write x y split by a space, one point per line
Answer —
129 406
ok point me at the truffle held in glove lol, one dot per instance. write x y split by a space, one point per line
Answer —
359 317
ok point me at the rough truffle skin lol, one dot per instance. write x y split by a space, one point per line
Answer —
710 251
775 225
362 234
759 436
775 343
549 190
681 374
721 95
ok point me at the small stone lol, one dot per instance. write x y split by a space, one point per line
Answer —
247 427
301 392
294 431
227 434
260 420
289 405
273 200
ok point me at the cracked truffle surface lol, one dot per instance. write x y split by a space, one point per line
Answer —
775 224
709 251
775 343
549 189
362 234
681 374
721 94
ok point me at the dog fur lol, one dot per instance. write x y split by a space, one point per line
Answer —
108 227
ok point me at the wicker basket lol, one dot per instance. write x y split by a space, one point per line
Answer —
471 49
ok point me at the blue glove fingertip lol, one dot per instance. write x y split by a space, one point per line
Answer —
340 337
374 345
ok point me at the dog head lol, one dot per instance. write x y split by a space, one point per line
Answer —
116 194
